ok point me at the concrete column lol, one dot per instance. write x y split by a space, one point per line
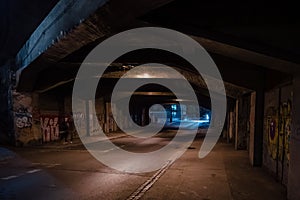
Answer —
87 117
107 117
252 127
115 126
294 172
258 127
231 126
236 124
243 113
7 130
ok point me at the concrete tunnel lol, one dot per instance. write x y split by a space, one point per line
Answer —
260 74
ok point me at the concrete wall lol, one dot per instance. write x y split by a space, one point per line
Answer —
277 130
36 117
88 122
26 118
294 166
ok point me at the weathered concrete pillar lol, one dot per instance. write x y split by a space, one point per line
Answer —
87 117
236 124
243 114
107 117
114 124
6 114
145 116
294 172
252 127
258 127
231 126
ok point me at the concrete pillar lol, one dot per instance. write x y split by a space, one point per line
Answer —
252 127
107 117
236 124
294 172
115 126
6 109
143 117
243 113
258 127
231 126
87 117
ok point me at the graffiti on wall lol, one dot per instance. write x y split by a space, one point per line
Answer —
288 130
49 128
272 135
279 131
284 130
23 118
80 121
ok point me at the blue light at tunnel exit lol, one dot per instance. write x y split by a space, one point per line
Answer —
174 107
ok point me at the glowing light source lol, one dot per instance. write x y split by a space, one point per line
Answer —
144 75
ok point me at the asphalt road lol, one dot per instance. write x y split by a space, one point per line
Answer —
41 173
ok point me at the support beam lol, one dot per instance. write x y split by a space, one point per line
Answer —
252 127
248 55
258 126
87 117
64 16
62 73
236 124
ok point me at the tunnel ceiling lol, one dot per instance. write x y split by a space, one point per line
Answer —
267 27
245 39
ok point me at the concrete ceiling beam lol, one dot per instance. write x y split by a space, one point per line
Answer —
248 56
74 24
69 70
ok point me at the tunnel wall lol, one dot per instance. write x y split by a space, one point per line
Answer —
294 172
277 130
36 117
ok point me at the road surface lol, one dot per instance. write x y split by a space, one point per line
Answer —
72 173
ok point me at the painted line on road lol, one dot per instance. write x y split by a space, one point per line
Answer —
47 165
108 150
19 175
9 177
112 149
33 171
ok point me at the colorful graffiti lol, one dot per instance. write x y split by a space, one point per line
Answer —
23 118
279 131
49 128
272 136
284 130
